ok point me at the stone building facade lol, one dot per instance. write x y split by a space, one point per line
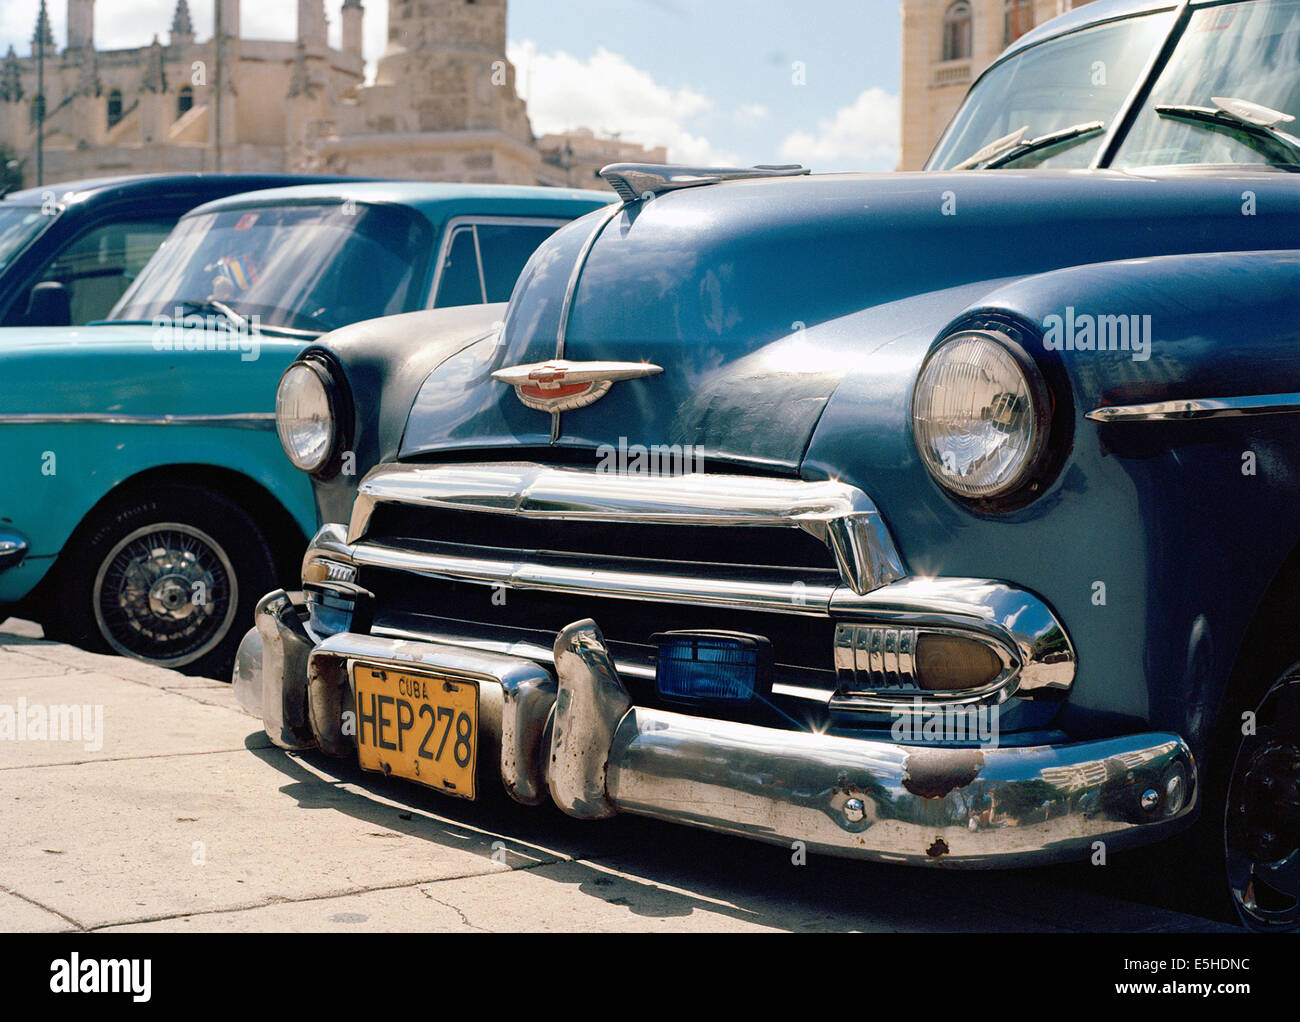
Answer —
443 104
154 108
946 46
574 159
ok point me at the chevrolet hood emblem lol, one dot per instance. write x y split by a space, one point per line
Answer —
561 385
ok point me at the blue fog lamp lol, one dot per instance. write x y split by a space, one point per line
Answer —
729 668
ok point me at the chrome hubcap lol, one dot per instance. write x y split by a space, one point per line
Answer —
1262 825
166 594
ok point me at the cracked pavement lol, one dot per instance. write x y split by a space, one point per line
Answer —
187 819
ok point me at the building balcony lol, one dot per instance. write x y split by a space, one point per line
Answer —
950 72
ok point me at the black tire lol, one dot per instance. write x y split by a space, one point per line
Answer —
1216 849
1261 812
168 575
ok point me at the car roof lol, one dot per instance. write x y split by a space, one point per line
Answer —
101 189
1089 14
424 195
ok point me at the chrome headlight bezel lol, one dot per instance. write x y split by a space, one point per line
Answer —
326 463
1037 462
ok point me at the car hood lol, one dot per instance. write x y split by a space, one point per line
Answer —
759 298
132 368
34 340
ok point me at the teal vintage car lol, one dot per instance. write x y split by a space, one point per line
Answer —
147 503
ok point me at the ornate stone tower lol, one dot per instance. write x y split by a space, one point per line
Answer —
443 106
312 25
449 57
353 16
182 25
81 23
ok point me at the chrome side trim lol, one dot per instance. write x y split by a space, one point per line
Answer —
635 181
235 420
839 515
1198 408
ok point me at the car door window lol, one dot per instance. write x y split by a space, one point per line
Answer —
504 249
460 283
484 260
98 267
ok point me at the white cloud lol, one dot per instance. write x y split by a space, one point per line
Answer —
861 136
750 113
609 95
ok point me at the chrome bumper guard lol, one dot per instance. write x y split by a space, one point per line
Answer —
577 735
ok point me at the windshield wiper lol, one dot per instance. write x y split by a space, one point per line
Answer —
1011 147
235 321
1248 120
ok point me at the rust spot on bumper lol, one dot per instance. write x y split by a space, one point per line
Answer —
932 773
940 847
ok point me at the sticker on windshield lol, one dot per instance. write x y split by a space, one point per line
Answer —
1217 21
246 222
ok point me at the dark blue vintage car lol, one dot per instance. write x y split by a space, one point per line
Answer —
69 251
944 518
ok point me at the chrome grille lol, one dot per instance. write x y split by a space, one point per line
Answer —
840 516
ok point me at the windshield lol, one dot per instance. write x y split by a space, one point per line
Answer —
301 267
1245 51
1079 78
18 226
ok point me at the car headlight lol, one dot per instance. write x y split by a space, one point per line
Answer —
980 415
306 415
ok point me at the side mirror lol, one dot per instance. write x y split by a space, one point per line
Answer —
50 304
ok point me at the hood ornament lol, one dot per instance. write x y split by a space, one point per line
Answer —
561 386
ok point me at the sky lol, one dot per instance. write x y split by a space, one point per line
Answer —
716 81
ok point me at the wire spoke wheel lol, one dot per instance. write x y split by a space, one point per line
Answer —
165 593
1262 819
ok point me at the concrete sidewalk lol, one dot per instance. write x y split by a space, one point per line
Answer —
185 818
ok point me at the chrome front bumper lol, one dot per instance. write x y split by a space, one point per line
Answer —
576 734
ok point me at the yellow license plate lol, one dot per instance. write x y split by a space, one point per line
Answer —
423 727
